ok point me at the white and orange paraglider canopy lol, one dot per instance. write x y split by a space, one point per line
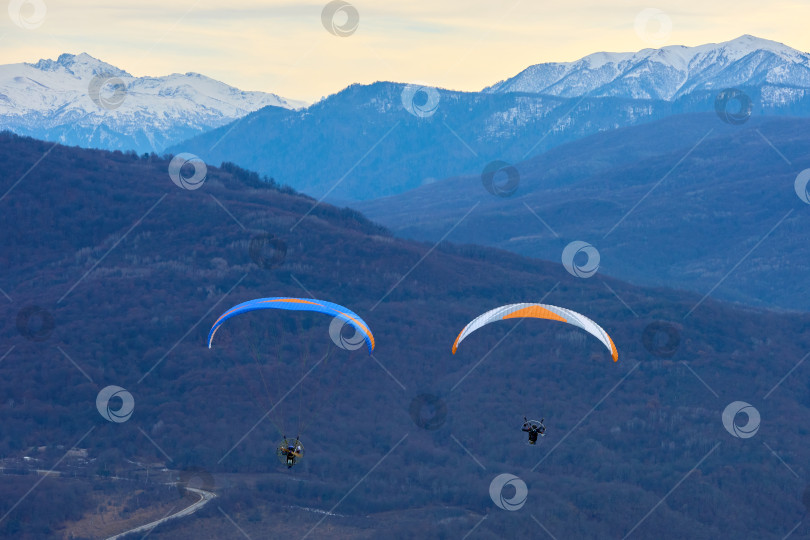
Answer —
538 311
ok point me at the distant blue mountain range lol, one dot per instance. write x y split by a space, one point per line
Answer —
374 140
385 138
689 202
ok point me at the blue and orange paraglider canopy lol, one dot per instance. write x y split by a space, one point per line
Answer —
298 304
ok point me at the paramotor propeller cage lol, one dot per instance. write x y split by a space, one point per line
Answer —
283 450
536 424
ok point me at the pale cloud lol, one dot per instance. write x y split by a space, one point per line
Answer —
282 47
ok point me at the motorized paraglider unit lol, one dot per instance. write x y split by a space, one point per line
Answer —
290 450
537 428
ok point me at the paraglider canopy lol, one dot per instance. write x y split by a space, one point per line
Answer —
298 304
538 311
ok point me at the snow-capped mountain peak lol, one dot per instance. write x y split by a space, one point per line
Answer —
79 65
745 44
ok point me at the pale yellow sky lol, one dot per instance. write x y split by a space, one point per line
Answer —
284 47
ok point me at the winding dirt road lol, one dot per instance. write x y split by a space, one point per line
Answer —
205 497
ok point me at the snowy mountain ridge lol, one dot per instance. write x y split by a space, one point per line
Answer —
78 99
667 73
